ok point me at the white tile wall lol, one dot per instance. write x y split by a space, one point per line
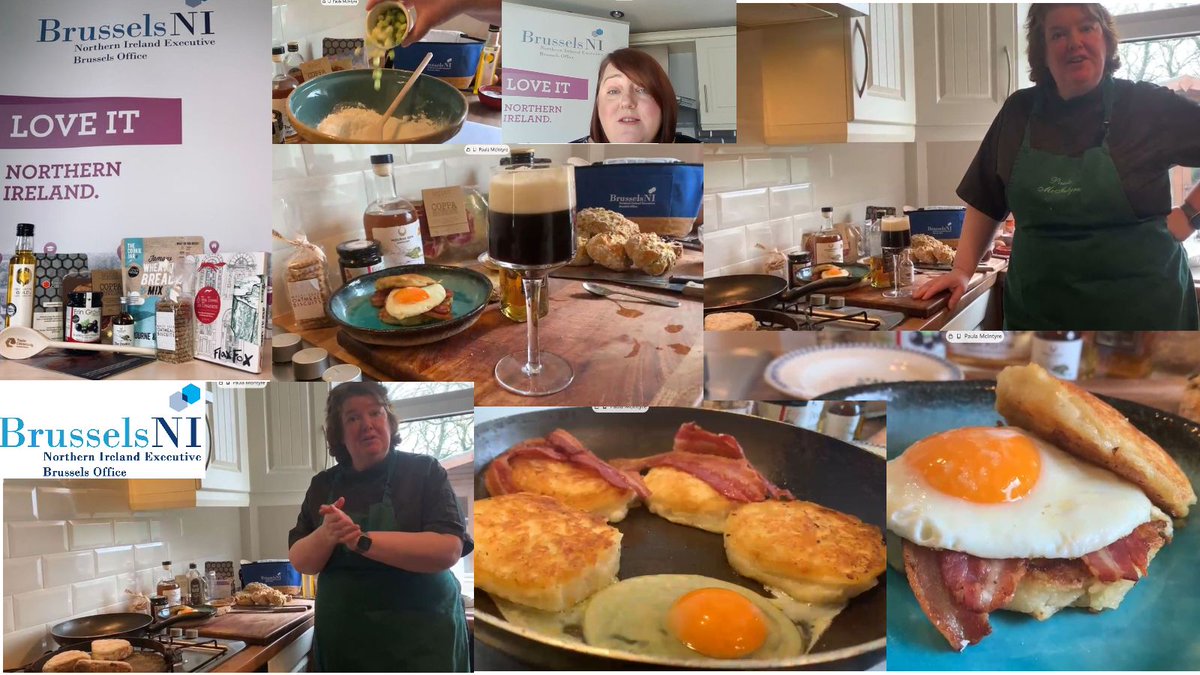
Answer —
772 196
110 550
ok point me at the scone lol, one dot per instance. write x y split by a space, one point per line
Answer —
652 255
608 250
572 485
96 666
537 551
1078 422
64 662
811 553
595 221
111 650
730 321
682 498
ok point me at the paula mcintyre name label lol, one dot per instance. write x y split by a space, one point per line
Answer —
30 122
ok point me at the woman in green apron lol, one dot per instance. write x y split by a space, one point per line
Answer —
1081 161
381 530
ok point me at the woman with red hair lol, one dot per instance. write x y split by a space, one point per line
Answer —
635 102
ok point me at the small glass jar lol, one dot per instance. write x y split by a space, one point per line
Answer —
122 325
359 257
82 317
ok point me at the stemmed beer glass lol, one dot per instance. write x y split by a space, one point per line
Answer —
531 211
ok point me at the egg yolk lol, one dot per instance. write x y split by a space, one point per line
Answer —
979 464
409 296
717 623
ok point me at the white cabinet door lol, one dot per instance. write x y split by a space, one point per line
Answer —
284 426
228 467
716 68
969 60
882 87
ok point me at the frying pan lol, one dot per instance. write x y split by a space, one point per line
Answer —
742 290
811 283
814 467
138 643
118 625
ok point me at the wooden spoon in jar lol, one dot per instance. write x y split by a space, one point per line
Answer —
19 342
403 92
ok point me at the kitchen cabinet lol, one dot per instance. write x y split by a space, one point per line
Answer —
288 420
831 80
971 60
227 480
716 69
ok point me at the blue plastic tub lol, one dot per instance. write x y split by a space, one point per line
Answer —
939 222
660 197
453 62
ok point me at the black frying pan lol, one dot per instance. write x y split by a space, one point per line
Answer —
814 467
139 644
811 282
742 290
118 625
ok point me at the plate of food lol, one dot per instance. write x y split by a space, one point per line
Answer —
597 548
411 304
1034 526
821 372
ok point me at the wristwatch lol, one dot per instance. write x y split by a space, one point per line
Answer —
363 544
1192 214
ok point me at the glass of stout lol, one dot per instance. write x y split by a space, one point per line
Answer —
895 236
531 220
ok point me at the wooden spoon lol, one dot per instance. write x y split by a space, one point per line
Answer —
403 92
19 342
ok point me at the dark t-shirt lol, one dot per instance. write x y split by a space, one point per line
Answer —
421 492
1152 129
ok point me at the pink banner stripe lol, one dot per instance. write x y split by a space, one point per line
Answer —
43 122
532 84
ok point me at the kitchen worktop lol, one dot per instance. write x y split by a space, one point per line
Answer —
255 657
154 370
931 314
623 351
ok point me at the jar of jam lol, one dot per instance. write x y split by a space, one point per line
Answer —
82 318
359 257
797 261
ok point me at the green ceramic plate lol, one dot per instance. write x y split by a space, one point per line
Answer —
1153 629
351 306
313 100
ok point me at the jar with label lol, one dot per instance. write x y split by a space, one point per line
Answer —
82 319
1059 352
797 261
358 257
391 220
173 323
1120 354
49 321
122 325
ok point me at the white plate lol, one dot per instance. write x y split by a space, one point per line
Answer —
809 373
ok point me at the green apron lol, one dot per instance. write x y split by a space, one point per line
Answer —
371 617
1081 258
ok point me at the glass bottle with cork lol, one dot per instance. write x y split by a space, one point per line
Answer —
1060 352
392 220
22 270
827 243
293 61
282 86
168 587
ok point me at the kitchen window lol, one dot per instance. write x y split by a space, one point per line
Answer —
442 437
1160 43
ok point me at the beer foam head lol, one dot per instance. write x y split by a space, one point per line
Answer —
527 191
894 223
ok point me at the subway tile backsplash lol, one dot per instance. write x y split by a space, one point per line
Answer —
72 548
773 196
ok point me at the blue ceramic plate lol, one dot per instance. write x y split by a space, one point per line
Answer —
1154 628
351 306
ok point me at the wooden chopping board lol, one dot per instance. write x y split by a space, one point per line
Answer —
254 628
872 298
691 263
624 352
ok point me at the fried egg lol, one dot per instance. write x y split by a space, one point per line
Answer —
683 616
1004 493
403 303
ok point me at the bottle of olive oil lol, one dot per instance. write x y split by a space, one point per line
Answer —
22 268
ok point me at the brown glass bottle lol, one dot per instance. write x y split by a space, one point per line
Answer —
1059 352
